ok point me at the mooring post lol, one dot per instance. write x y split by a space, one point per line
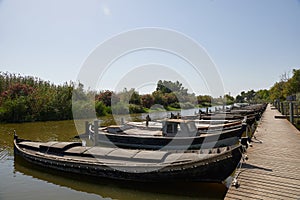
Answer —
96 129
292 112
281 108
206 110
87 128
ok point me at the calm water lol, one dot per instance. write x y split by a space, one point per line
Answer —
19 180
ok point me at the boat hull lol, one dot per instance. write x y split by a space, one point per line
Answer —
210 140
213 169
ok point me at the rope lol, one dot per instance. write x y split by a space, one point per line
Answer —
235 182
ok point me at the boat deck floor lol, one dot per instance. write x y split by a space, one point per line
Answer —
115 155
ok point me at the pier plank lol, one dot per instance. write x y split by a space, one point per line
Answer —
273 168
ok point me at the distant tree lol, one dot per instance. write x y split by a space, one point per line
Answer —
239 99
105 97
292 85
147 100
276 91
169 86
135 98
248 97
262 96
100 108
228 99
158 97
204 100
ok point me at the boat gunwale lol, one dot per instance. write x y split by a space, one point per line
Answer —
41 155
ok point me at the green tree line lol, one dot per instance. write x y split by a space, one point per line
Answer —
287 86
27 98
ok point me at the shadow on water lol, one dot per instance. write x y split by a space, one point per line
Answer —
122 189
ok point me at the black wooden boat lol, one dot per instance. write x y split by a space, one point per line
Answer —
251 113
174 134
210 165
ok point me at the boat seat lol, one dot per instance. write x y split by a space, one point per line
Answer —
30 145
98 152
125 154
156 156
57 147
77 150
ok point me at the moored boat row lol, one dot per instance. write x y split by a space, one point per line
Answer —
167 150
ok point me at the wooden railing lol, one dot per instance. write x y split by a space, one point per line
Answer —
291 110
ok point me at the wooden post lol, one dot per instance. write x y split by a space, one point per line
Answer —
206 110
96 129
292 112
87 131
281 108
297 111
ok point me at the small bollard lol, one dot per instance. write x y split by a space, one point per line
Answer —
291 112
87 131
96 129
281 108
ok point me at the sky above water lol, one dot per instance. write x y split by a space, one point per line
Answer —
251 43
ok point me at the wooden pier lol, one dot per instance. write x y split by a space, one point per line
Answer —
273 168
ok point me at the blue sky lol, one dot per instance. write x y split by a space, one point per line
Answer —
251 42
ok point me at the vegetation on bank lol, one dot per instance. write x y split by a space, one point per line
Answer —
287 86
26 98
32 99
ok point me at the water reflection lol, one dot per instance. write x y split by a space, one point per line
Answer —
37 183
122 189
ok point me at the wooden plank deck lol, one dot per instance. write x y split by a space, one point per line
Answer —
273 168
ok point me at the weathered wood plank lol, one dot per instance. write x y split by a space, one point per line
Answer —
273 168
278 186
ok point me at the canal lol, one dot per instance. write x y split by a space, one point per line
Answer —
19 180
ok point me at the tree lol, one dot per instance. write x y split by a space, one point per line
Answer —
228 99
276 91
293 84
169 86
262 96
135 98
246 97
158 97
147 100
204 100
105 97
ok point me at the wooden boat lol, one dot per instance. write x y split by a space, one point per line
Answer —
201 125
251 114
210 165
174 134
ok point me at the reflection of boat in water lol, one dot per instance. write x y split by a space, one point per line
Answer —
122 189
209 165
170 134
